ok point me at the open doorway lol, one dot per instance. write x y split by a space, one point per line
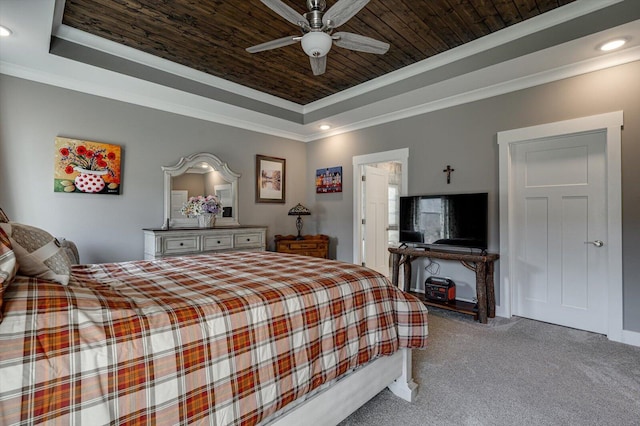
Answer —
376 225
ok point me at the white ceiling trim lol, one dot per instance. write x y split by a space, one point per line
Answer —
107 46
563 72
139 92
132 90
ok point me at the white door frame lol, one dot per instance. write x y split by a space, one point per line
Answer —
611 123
398 155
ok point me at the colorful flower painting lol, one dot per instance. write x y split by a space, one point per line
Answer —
86 167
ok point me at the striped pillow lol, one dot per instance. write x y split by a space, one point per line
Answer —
3 216
8 265
39 254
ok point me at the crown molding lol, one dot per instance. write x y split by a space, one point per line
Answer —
520 83
112 48
143 93
248 120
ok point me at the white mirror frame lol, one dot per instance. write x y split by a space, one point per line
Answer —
184 164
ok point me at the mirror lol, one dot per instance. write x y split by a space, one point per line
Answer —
199 174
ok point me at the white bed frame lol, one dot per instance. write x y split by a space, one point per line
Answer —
336 403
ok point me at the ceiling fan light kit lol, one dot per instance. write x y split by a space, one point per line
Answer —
317 26
316 43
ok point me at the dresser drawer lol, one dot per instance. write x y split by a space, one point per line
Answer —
247 240
159 243
301 245
305 252
219 242
182 244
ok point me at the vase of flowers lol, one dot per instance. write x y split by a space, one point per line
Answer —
206 220
205 209
89 180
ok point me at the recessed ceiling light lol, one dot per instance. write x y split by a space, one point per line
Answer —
325 127
613 44
4 31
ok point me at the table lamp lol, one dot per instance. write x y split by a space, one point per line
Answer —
299 210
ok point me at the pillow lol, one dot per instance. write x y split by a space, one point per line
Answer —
38 253
71 250
8 265
3 217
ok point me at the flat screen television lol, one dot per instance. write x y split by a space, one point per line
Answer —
459 220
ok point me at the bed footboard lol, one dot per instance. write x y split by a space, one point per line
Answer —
336 403
404 386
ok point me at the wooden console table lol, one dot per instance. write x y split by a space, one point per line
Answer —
481 264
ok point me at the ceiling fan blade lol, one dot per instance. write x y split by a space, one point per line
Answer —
342 11
285 11
360 43
318 65
273 44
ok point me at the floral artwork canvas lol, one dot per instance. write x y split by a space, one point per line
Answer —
86 167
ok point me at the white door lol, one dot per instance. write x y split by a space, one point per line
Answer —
178 198
376 218
560 219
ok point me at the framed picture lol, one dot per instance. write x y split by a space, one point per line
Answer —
86 167
270 179
329 180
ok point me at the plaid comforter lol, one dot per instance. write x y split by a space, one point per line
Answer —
223 339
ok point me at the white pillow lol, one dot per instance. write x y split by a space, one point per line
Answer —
39 254
8 265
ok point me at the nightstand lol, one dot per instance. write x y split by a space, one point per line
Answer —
310 245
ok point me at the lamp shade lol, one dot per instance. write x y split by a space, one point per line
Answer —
299 210
316 43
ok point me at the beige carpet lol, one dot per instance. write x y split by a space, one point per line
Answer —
513 372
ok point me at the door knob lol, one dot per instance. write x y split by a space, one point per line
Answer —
596 243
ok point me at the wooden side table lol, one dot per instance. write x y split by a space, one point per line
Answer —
309 245
481 264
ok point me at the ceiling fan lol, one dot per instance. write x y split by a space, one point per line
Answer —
317 28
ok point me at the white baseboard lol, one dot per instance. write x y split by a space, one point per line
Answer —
630 338
627 337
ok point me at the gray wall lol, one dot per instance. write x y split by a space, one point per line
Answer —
108 228
465 137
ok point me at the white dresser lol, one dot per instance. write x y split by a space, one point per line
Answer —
159 243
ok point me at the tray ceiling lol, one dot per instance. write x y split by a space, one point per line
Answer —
211 36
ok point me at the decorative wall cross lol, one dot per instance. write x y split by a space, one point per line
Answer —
448 171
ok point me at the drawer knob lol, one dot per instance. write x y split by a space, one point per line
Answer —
248 239
218 241
181 244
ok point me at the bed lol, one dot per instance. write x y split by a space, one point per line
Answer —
236 338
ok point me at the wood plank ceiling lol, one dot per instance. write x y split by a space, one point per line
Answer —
212 35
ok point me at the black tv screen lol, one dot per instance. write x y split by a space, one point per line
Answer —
452 219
